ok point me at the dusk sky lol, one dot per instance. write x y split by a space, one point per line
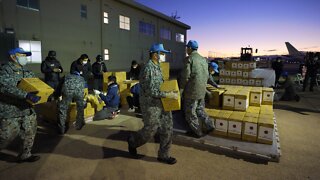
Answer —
223 26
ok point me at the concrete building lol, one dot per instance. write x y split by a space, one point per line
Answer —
120 30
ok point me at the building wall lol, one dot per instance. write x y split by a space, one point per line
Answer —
59 27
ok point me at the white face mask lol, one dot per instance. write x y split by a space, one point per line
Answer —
22 60
84 62
162 58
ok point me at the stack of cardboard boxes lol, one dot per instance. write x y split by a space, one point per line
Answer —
244 113
238 73
49 110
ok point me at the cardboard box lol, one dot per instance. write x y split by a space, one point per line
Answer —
227 80
255 96
253 109
228 99
217 96
239 73
86 92
252 65
222 72
222 80
258 82
213 113
245 82
245 74
252 82
72 113
254 115
233 73
250 128
234 65
245 65
165 69
130 83
235 124
267 96
105 76
240 65
233 81
37 86
221 123
96 102
266 109
241 100
123 96
239 81
228 65
171 104
121 76
265 129
227 73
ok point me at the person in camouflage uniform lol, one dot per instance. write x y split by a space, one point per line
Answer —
193 84
154 117
17 116
72 89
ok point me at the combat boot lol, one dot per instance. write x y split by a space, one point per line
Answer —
32 158
132 150
168 160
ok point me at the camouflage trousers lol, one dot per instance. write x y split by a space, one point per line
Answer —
63 107
155 120
196 117
25 127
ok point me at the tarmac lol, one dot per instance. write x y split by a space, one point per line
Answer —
99 151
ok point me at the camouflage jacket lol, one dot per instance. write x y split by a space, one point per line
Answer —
12 99
150 82
194 76
73 84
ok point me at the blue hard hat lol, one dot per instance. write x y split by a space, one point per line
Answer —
284 74
192 44
20 51
214 66
158 48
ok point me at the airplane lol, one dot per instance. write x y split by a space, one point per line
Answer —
294 53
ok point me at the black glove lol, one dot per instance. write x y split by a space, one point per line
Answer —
32 97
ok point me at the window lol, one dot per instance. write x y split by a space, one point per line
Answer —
106 54
30 4
124 22
165 33
147 28
180 37
105 18
34 47
83 11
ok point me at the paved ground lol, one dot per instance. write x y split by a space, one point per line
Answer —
99 151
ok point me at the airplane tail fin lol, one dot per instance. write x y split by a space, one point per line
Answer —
292 50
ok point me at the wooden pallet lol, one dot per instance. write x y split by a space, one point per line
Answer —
237 147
